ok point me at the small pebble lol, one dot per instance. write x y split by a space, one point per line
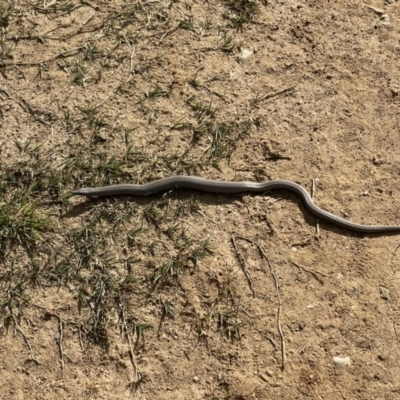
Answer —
342 361
384 293
245 53
377 11
269 373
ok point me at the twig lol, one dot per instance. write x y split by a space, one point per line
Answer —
300 348
22 333
312 188
131 65
76 31
163 315
136 380
34 37
394 252
394 329
274 94
305 242
45 35
47 8
241 308
272 342
67 53
310 271
283 347
33 110
206 217
31 358
169 32
244 266
212 92
283 350
80 338
61 329
60 338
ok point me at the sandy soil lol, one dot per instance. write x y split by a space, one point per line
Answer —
304 91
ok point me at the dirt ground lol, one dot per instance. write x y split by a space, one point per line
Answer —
189 295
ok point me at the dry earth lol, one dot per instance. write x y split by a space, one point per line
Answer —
192 295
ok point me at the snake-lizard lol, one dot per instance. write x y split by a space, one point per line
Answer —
213 186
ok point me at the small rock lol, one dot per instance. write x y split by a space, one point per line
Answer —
245 53
384 293
269 373
384 20
196 379
377 11
342 361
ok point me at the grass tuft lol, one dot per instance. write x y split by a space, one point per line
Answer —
21 223
5 14
242 12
